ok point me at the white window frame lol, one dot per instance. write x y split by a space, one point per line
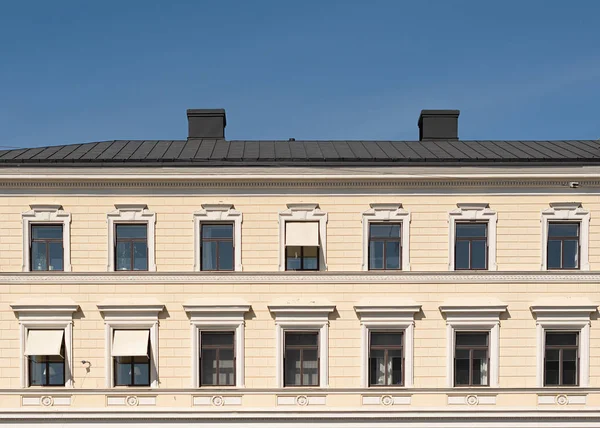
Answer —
141 314
304 212
46 214
131 214
46 314
479 212
566 314
387 213
388 315
473 315
218 213
214 316
302 316
567 212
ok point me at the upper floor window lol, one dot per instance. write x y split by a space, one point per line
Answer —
217 358
561 359
47 251
385 243
45 351
471 359
386 359
302 245
217 247
563 245
131 252
301 359
471 246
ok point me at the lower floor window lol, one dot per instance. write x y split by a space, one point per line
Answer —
46 370
386 361
471 359
301 359
132 371
217 358
131 356
561 359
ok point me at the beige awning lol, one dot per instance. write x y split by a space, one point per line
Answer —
130 343
302 233
44 342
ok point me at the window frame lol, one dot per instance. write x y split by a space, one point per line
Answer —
387 213
218 214
561 348
385 241
47 245
470 240
132 364
562 240
218 348
47 365
301 348
218 241
386 348
471 349
131 242
302 269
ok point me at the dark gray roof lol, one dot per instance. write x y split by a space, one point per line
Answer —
211 152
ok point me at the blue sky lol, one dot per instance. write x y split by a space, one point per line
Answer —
79 71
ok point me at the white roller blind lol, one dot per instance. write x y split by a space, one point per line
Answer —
302 234
44 342
130 343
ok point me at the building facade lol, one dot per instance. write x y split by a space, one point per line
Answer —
215 283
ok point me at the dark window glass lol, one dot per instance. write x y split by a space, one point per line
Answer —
216 241
131 249
301 359
385 246
302 258
470 247
563 246
471 359
217 358
47 247
561 359
47 370
386 360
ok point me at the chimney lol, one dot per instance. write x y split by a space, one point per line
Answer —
206 123
438 125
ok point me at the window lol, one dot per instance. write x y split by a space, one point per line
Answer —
131 356
301 360
217 358
46 239
45 351
47 247
472 237
217 247
302 238
471 359
385 246
563 245
471 246
302 258
561 359
131 247
386 360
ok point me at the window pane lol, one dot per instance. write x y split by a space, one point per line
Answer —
554 254
37 374
471 230
39 259
376 254
310 367
56 256
570 254
57 373
131 231
226 367
568 338
471 339
212 339
226 255
478 254
292 367
377 367
293 260
208 367
123 375
389 339
392 255
301 339
461 255
217 231
141 373
569 372
209 255
395 367
563 229
461 371
123 252
480 367
551 372
140 256
385 230
47 232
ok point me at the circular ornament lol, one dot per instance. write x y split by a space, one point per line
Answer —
302 400
217 400
472 400
387 400
132 400
47 401
562 400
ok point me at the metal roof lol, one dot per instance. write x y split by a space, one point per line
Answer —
217 152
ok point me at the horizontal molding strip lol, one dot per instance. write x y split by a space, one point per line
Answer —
294 278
